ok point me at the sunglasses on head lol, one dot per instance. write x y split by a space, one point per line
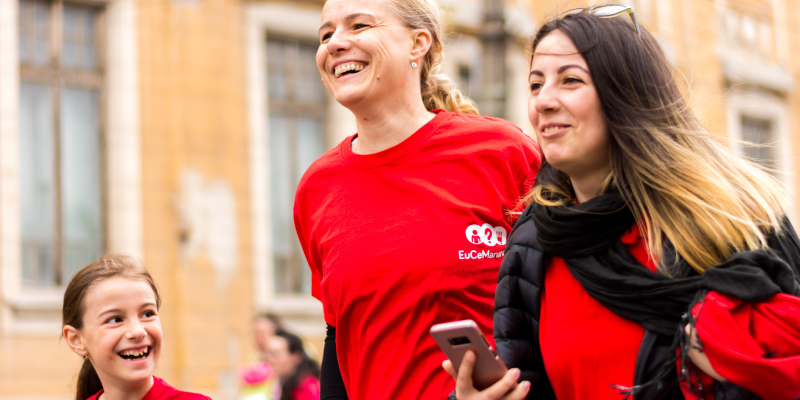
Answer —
608 11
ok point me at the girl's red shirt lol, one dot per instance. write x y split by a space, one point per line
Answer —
163 391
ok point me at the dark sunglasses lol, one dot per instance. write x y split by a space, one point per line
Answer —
608 11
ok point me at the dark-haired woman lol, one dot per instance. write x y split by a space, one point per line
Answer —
644 238
403 224
110 317
298 374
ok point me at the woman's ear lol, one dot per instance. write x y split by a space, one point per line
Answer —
422 43
74 340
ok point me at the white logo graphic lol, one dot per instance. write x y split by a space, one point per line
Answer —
487 234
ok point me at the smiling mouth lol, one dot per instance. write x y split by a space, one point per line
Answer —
554 128
348 69
135 354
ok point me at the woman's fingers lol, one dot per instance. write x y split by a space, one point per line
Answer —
448 366
464 377
520 392
503 386
698 357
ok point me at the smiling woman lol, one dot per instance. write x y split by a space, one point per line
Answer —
652 261
110 318
386 217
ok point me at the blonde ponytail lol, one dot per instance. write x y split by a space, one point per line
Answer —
438 91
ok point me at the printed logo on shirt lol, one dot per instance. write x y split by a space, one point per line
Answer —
487 234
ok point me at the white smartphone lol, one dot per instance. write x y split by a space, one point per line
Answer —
455 338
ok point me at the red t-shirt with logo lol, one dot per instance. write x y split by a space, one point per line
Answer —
409 237
162 391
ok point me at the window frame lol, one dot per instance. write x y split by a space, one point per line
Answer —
29 310
301 311
748 101
292 110
58 78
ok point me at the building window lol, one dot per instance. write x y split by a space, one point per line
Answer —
60 139
759 137
296 138
464 79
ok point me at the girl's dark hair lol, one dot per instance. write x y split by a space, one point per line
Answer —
680 181
110 266
307 367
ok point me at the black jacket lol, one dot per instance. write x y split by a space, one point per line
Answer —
517 312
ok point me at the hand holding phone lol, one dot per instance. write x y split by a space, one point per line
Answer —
455 338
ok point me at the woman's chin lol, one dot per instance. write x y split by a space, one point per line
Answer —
349 99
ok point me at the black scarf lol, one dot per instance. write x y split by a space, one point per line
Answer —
587 236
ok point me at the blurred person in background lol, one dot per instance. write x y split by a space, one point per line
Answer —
297 373
264 327
257 378
403 223
652 261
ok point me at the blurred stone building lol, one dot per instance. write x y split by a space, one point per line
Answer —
177 130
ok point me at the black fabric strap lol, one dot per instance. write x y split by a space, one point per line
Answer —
331 382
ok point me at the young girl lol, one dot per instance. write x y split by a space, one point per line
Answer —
110 318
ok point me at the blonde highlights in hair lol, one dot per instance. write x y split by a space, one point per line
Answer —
438 91
681 182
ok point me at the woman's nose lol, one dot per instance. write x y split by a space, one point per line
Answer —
546 100
338 43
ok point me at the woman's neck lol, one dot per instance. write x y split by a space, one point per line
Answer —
113 391
381 127
587 186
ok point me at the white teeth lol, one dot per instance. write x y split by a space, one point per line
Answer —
552 129
341 69
135 353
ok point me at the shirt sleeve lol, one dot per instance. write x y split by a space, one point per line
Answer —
753 345
314 261
303 227
331 382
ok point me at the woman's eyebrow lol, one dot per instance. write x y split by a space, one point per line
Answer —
560 70
347 19
566 67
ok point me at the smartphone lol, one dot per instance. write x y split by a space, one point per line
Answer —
455 338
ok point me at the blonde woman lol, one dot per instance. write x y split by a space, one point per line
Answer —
645 237
403 223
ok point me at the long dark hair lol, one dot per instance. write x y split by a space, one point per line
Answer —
681 182
307 367
110 266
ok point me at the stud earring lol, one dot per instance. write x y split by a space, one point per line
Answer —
413 64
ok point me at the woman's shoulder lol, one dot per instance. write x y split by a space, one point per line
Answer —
481 123
162 390
489 134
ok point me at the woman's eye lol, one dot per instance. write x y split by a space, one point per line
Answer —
325 37
535 86
360 26
114 320
572 80
148 314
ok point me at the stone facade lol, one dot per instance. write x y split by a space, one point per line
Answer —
189 118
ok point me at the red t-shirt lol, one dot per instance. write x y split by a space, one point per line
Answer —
409 237
163 391
585 346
